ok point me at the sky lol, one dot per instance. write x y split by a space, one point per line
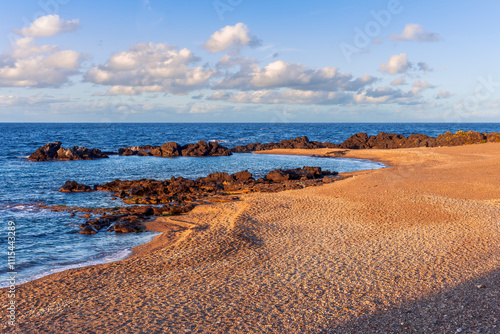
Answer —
249 61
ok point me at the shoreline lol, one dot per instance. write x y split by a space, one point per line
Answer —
165 225
154 225
437 196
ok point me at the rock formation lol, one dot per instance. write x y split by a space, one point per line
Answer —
73 186
54 151
390 140
179 195
299 142
172 149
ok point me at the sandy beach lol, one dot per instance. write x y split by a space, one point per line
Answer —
409 249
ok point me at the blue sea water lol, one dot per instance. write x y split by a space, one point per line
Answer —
48 242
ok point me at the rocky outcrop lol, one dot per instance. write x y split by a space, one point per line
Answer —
54 151
172 150
178 195
305 173
391 140
204 149
381 141
73 186
299 143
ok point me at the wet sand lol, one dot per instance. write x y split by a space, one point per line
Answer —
411 248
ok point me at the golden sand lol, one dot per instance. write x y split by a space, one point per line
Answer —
411 248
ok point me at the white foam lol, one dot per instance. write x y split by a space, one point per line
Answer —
110 258
218 141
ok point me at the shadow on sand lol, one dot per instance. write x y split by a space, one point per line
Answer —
471 307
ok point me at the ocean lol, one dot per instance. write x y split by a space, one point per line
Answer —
48 242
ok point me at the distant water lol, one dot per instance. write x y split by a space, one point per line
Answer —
48 242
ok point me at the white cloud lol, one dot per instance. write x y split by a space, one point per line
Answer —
26 47
149 67
396 64
443 94
398 82
420 85
231 36
41 70
415 32
384 95
32 65
47 26
280 74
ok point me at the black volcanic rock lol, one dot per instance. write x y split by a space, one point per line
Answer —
359 140
304 173
380 141
172 150
203 149
391 140
296 143
73 186
179 195
243 176
54 151
278 175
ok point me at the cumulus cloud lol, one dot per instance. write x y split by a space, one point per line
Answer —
30 65
443 94
384 95
420 85
398 82
231 36
415 32
280 74
47 26
396 64
149 67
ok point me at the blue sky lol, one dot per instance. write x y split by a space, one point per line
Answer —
249 61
